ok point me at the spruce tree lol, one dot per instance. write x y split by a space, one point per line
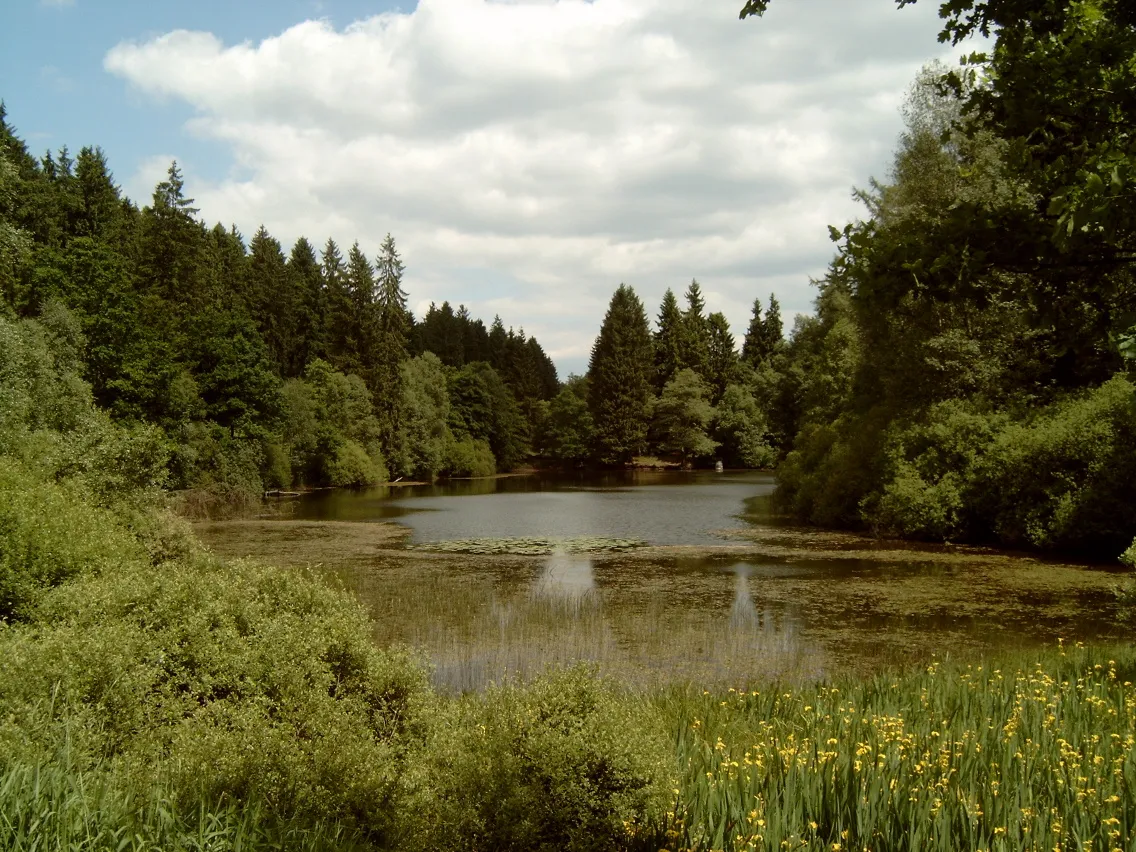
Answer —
722 364
171 241
764 336
340 316
753 344
498 344
694 351
668 340
310 307
270 298
620 373
360 325
772 330
390 345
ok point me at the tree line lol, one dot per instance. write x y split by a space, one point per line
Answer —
263 369
966 373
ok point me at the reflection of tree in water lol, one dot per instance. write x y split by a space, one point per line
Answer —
774 630
565 576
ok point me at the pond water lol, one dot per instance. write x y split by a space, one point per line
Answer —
657 507
723 593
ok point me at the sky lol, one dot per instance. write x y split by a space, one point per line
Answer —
528 156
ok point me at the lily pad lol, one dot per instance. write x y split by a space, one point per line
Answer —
534 546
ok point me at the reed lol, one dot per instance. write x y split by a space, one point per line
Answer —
58 807
479 628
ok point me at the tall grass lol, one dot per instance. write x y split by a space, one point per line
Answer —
1037 752
56 807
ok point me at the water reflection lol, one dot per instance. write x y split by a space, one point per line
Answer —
565 576
759 628
796 611
744 614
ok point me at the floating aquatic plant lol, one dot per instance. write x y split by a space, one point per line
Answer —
534 546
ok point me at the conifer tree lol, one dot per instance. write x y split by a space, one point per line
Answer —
306 283
619 374
498 343
668 340
390 346
172 240
772 330
694 351
360 324
269 296
764 336
752 345
475 338
722 363
340 316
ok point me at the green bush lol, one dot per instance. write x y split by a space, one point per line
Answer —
833 467
352 465
468 456
277 466
49 533
217 680
1065 478
928 470
562 764
35 392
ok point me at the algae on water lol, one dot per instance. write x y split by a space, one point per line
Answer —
534 546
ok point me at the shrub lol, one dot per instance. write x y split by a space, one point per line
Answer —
1067 477
928 469
468 456
562 764
218 680
833 467
50 533
352 465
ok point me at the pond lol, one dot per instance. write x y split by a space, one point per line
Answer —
662 577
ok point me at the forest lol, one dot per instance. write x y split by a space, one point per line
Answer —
965 375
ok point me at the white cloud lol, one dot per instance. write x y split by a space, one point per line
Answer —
558 147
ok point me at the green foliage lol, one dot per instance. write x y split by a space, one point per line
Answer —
739 427
61 806
425 431
217 680
928 471
35 394
831 469
51 532
619 379
569 430
668 340
352 465
563 764
1058 478
1064 478
1128 557
682 415
330 430
954 756
468 456
483 407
